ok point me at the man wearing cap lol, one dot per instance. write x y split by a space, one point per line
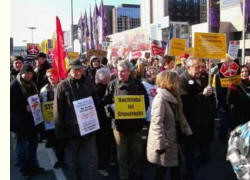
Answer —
22 122
95 64
17 66
42 66
80 151
183 58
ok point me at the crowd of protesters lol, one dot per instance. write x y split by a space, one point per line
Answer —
181 107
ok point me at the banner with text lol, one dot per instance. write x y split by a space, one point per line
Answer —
210 45
34 103
130 107
177 47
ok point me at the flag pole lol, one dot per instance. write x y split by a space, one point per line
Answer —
243 32
72 33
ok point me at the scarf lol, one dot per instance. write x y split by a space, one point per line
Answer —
28 88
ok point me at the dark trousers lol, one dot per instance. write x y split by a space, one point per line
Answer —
80 158
196 154
26 147
224 124
160 173
104 141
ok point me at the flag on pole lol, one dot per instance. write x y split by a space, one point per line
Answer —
104 25
92 45
58 64
96 24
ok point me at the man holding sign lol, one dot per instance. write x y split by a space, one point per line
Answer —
75 121
131 102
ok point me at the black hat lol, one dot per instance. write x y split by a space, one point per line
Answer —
76 64
26 68
41 55
19 58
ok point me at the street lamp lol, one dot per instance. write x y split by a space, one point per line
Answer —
32 28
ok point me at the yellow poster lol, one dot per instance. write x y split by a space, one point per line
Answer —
177 47
189 51
73 55
226 82
130 107
47 109
210 45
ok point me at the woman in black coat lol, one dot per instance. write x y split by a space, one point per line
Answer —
239 99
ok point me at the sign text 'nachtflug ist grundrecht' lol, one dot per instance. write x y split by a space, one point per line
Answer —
210 45
130 107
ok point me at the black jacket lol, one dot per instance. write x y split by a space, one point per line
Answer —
21 121
13 75
68 91
199 110
40 76
239 99
132 87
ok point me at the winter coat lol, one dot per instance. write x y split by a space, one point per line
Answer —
21 121
91 71
239 99
132 87
163 132
67 91
40 76
13 75
199 110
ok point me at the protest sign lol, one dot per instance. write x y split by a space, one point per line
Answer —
86 115
233 48
177 47
98 53
189 51
34 103
229 73
210 45
130 107
47 109
73 55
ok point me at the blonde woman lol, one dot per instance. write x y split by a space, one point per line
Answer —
140 69
167 123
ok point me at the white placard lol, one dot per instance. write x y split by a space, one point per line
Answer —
86 115
233 48
35 107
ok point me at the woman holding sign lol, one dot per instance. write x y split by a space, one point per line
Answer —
167 123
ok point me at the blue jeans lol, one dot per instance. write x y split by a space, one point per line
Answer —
26 147
195 155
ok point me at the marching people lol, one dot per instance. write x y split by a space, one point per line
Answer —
167 125
22 121
139 71
127 132
17 66
239 99
80 151
42 65
183 58
104 136
200 111
167 63
95 64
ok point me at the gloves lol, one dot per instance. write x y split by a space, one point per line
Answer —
160 151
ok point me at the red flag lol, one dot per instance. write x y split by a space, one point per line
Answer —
58 63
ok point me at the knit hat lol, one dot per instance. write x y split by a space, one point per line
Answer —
26 68
76 64
185 55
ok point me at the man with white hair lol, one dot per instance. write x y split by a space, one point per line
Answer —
127 132
199 109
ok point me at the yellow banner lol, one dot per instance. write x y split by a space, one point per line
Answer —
226 82
189 51
130 107
47 109
210 45
73 55
177 47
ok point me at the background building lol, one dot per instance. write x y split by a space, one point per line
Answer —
126 16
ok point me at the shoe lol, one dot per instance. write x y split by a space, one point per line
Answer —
103 172
58 165
37 170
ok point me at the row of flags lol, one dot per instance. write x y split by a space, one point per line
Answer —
93 28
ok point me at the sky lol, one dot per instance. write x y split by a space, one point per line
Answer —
42 15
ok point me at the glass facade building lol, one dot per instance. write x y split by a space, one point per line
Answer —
126 17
